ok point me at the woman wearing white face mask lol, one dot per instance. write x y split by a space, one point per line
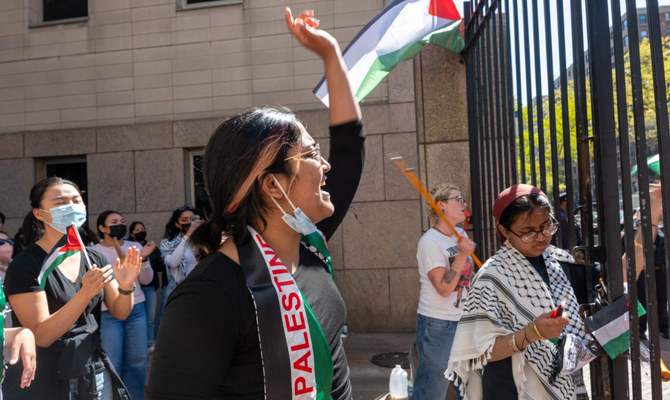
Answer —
260 316
65 315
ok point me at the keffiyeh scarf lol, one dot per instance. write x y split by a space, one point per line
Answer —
506 295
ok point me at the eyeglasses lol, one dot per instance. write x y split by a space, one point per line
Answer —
3 241
457 198
530 237
314 153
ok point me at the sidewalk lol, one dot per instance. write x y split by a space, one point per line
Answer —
371 382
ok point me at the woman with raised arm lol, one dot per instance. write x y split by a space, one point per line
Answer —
65 315
260 316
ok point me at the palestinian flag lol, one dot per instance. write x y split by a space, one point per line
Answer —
68 246
611 327
397 33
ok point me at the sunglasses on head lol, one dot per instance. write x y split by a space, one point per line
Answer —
3 241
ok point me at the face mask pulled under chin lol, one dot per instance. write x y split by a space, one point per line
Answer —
299 221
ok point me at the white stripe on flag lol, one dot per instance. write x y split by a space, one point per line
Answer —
613 329
406 23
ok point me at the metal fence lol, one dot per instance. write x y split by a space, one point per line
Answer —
559 96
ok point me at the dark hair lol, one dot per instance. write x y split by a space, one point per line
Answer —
132 227
102 218
171 230
239 155
522 205
32 228
2 218
88 236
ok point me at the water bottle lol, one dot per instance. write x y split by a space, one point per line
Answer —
398 383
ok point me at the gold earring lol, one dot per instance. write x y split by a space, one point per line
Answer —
508 244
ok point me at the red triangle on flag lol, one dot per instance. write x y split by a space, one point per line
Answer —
73 243
444 9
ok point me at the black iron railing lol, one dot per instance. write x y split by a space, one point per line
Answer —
577 127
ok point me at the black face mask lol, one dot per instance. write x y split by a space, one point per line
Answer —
141 236
185 227
117 231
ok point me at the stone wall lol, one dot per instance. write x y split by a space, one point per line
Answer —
140 85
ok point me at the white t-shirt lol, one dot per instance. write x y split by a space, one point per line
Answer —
146 273
436 249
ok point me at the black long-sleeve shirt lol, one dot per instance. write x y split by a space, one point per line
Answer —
207 345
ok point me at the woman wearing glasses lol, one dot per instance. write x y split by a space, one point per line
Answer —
260 316
501 349
445 272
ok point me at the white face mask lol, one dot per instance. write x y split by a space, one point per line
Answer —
299 221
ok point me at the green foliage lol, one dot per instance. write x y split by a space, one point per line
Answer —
561 130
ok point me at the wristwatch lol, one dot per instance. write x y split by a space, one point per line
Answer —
127 292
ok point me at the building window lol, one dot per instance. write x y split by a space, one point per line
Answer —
71 168
643 19
667 16
197 193
624 26
625 41
55 10
190 4
643 35
667 32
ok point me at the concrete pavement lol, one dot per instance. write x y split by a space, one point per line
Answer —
371 382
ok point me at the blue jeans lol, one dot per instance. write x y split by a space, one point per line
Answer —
125 342
434 338
150 309
165 293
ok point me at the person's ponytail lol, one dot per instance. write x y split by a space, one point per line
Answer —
32 229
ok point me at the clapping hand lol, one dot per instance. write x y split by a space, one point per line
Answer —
147 249
126 273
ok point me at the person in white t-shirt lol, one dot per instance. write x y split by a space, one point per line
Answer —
445 271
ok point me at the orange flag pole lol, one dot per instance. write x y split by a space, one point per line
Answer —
399 162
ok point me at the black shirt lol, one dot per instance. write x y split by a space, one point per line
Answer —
207 345
74 352
497 378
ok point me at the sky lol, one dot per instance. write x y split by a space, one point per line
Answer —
554 49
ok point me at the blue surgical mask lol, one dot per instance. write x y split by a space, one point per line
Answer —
64 216
299 221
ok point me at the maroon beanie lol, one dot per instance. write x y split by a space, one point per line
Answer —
507 197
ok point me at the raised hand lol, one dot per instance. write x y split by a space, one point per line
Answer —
304 28
466 246
194 226
95 279
147 249
126 273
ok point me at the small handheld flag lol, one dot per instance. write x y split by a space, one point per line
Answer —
68 246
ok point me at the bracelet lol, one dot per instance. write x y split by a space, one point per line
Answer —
639 245
513 343
127 292
536 331
525 338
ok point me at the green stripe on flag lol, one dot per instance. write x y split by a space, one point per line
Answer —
448 37
58 261
617 345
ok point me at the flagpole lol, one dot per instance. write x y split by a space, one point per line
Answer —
83 247
399 162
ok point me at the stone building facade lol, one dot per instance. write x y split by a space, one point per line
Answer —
130 92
